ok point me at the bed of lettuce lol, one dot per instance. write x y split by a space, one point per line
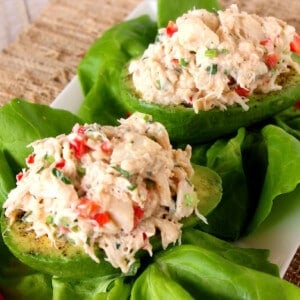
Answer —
258 166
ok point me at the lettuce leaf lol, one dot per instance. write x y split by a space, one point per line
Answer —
171 10
282 173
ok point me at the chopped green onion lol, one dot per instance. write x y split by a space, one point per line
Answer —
158 85
58 174
212 69
81 170
49 158
123 172
132 187
211 53
183 62
49 219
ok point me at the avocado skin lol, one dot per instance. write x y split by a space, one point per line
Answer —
65 260
186 126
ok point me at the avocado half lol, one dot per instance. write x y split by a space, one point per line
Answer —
186 126
69 261
62 260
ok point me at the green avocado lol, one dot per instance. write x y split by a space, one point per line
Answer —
66 260
62 260
186 126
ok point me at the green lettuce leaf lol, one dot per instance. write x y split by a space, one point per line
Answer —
171 10
228 218
109 52
256 259
23 122
282 173
91 289
205 274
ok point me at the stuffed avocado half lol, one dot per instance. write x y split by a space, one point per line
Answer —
207 73
203 76
90 201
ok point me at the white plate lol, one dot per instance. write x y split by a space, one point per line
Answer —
280 232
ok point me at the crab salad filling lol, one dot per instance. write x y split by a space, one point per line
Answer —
111 187
207 60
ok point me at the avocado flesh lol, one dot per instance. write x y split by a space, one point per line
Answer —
186 126
62 260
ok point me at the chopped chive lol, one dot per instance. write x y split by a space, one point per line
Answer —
123 172
183 62
58 174
158 85
132 187
49 159
81 170
212 69
49 219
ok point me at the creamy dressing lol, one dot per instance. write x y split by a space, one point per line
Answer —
107 187
206 60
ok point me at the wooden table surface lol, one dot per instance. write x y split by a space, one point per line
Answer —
15 15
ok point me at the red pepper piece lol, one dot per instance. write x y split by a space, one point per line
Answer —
102 218
19 176
243 92
30 159
271 60
60 164
138 214
87 208
171 28
79 147
295 44
266 42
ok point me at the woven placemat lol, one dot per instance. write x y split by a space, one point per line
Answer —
45 56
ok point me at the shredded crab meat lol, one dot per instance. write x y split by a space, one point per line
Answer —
211 60
107 187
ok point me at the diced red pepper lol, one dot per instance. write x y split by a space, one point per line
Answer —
87 208
106 147
295 44
102 218
145 236
243 92
19 176
30 159
171 28
271 60
60 164
175 61
266 42
138 214
79 147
